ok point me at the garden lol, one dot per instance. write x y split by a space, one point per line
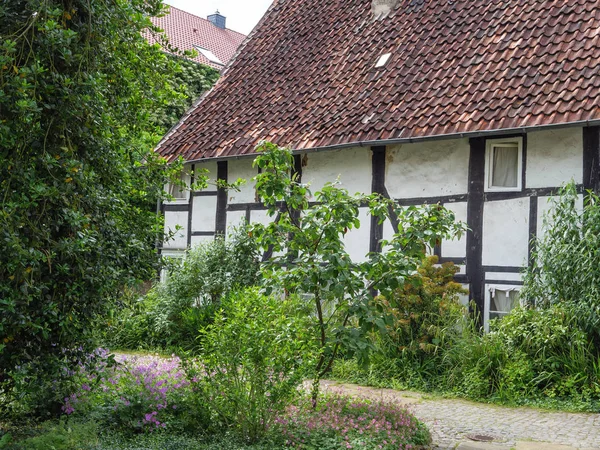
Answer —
229 351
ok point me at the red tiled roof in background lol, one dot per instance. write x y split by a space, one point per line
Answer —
185 30
307 79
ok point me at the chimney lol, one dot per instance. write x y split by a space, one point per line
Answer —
217 20
382 8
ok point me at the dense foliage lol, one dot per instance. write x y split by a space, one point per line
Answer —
243 392
306 244
422 318
190 80
171 314
566 263
80 91
254 356
545 353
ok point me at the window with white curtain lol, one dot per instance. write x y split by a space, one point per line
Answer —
504 164
500 300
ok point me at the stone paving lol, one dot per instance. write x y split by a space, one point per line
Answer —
452 421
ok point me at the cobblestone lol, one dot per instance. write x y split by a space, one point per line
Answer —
451 421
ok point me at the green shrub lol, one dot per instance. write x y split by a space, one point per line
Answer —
424 313
58 436
423 318
566 264
254 356
171 313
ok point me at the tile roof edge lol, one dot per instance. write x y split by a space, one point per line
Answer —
438 137
224 71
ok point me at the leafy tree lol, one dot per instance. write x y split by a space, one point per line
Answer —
566 264
309 256
79 88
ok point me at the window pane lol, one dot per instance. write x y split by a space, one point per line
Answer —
505 165
178 191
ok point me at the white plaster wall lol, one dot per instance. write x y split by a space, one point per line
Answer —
197 240
242 168
204 213
352 166
456 248
506 232
172 219
428 169
261 216
388 230
211 167
357 241
464 298
554 157
503 276
234 219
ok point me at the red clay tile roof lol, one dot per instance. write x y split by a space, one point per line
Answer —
185 30
306 77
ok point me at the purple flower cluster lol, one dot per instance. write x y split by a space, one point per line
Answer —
355 423
141 392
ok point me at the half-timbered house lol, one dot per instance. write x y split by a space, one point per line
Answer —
486 107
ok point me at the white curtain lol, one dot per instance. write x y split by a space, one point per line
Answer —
505 166
504 300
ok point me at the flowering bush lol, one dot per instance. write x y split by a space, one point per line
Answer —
139 394
345 423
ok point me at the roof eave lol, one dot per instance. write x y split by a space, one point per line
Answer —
412 140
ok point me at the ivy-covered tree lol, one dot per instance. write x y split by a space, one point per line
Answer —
79 91
191 80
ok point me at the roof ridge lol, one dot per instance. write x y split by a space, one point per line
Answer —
206 20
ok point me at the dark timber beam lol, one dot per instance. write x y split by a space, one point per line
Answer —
191 208
377 187
221 216
591 159
475 201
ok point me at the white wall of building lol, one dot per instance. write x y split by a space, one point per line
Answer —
428 169
506 232
241 168
352 166
204 213
456 248
211 170
554 157
172 220
357 240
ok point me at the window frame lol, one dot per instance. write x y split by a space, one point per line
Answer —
173 254
488 300
184 200
489 164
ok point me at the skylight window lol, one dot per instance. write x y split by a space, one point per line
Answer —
209 55
382 61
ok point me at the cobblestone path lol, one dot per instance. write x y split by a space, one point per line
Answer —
452 421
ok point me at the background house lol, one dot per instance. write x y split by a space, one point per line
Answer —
214 42
484 107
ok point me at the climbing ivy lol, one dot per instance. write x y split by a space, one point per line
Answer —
79 93
191 80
